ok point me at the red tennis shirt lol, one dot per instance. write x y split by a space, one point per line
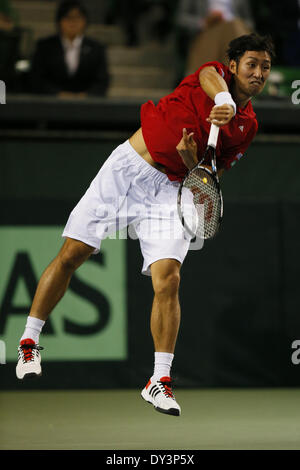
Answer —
189 106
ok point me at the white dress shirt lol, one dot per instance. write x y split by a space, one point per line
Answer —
72 53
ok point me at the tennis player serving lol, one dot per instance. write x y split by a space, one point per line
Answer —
149 168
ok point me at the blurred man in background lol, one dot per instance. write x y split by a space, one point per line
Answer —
70 64
205 27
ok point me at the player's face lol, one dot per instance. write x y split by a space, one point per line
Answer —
252 72
73 24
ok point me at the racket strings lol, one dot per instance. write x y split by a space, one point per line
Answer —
206 200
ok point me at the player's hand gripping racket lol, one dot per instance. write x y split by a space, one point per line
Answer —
200 201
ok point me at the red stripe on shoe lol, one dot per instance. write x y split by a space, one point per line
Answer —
26 341
148 384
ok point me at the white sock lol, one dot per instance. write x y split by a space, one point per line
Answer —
162 364
33 329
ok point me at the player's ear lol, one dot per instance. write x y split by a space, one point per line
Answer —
233 66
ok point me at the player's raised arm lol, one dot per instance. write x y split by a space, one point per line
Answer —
216 88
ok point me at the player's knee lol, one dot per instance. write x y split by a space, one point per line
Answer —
167 284
73 254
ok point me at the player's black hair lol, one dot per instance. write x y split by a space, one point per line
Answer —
67 5
250 42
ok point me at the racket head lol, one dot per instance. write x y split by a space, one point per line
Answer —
200 203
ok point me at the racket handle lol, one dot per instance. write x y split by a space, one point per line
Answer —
213 135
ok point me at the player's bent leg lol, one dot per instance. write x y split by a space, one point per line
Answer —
56 278
165 321
51 288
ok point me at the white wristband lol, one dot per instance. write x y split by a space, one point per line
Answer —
225 98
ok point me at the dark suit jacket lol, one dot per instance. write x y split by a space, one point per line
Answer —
49 73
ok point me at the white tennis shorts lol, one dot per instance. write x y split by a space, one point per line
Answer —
128 192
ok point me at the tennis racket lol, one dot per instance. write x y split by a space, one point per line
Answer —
200 201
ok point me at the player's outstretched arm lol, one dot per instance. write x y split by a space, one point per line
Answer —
216 88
